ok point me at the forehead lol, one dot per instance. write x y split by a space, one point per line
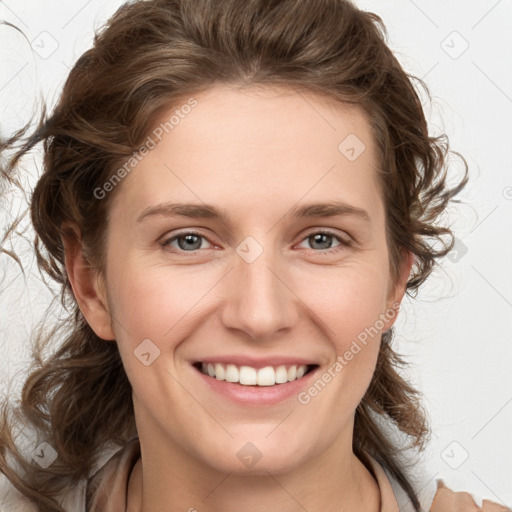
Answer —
273 116
240 145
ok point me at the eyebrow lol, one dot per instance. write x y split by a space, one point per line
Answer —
206 211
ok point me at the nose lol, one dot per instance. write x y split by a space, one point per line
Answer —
259 299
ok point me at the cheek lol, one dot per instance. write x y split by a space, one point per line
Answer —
155 303
152 303
347 300
350 304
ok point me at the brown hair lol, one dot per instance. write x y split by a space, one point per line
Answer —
148 56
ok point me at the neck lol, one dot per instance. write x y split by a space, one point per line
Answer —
171 480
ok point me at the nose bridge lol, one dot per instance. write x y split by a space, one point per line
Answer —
258 301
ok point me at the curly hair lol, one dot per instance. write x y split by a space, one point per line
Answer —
148 56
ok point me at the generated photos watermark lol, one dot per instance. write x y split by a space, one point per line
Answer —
149 144
343 360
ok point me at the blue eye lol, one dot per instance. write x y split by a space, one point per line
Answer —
319 241
187 242
323 241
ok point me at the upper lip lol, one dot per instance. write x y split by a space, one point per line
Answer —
255 362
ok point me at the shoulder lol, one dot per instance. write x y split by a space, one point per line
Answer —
11 500
72 499
437 497
446 500
107 487
433 494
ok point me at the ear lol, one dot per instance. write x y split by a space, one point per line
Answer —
86 283
397 291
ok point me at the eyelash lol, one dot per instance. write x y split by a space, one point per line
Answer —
343 243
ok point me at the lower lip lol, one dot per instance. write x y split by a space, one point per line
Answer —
258 395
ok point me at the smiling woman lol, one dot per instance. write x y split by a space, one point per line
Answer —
235 269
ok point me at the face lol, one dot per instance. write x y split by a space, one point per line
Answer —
251 238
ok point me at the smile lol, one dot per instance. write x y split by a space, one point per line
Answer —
250 376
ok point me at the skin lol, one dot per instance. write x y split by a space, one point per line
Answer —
255 153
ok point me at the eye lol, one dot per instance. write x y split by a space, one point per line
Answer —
319 241
188 241
322 241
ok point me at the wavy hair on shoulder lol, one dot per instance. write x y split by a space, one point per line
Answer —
146 58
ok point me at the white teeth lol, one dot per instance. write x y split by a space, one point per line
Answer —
232 374
248 376
266 376
281 375
219 372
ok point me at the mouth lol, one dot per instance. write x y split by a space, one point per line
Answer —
266 376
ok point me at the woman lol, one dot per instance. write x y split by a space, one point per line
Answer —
198 154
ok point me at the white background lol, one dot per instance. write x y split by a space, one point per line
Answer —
457 333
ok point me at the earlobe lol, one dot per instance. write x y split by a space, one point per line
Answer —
86 283
397 292
404 273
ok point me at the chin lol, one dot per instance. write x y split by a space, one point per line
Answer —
276 464
257 456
